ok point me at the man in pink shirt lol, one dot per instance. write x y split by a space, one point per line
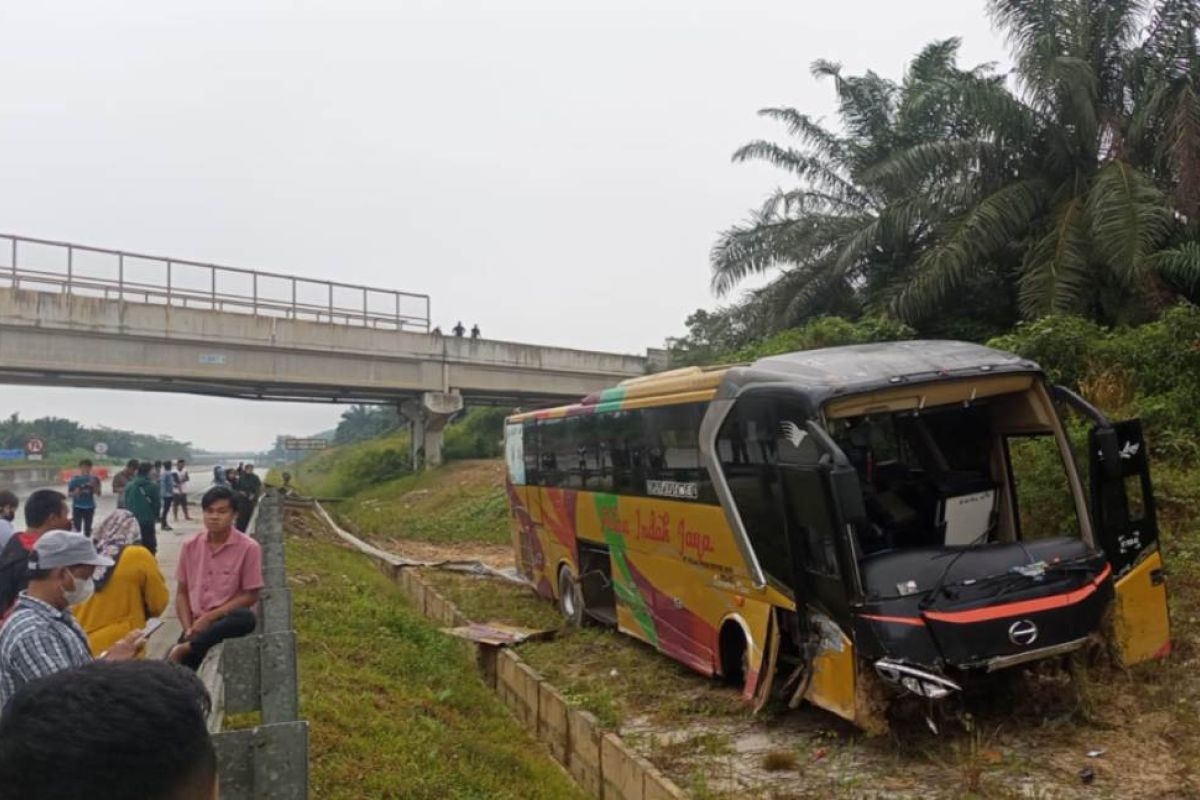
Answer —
219 577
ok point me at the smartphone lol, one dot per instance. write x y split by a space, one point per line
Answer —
151 626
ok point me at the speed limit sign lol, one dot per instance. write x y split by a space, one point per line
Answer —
101 448
35 447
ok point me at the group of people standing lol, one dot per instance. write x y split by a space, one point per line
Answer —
72 603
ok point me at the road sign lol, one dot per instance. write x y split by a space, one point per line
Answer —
292 443
101 448
35 448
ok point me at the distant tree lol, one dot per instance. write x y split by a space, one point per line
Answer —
361 422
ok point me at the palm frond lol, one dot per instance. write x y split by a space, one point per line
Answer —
1056 274
968 245
1179 268
802 165
810 133
1129 219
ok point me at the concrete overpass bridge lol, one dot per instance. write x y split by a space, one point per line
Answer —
81 316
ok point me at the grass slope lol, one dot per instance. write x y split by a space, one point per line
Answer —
461 502
396 708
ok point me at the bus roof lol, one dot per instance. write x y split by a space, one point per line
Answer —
820 374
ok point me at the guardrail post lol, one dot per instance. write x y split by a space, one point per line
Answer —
269 762
70 267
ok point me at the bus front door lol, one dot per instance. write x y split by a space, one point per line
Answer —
815 475
1122 501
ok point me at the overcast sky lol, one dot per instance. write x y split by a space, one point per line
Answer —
554 171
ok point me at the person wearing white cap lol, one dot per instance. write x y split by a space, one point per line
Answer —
41 636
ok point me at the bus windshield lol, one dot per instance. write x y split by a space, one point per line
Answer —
946 477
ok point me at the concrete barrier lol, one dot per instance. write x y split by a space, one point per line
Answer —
585 735
552 724
600 763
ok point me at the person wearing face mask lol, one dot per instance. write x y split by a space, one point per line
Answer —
128 593
41 637
8 511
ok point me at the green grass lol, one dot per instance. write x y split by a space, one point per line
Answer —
461 502
494 600
618 678
396 708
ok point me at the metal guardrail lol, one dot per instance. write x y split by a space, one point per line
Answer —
67 268
259 673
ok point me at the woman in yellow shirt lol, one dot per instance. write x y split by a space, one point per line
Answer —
127 593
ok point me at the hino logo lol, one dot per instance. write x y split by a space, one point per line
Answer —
1022 632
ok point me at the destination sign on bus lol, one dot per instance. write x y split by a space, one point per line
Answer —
673 489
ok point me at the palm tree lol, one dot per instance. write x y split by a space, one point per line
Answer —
1108 175
848 235
1080 191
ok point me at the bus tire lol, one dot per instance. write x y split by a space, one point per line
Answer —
570 598
735 654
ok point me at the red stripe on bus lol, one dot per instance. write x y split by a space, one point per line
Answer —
898 620
1023 606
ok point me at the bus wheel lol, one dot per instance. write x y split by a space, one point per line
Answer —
570 598
735 655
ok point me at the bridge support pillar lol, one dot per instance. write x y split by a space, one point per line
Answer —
427 417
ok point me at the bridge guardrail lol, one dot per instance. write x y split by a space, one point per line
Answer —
259 673
137 277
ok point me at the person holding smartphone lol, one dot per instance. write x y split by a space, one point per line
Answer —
41 636
127 593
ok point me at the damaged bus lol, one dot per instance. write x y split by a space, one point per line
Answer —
844 525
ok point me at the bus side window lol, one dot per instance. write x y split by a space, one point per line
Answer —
533 470
746 449
672 448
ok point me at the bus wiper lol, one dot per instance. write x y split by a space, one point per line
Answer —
941 581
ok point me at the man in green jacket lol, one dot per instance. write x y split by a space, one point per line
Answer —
143 500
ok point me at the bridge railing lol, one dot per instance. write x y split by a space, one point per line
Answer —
66 268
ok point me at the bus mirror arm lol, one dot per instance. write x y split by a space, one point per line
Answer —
1076 401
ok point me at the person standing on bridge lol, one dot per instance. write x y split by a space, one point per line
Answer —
217 581
8 511
143 501
45 510
41 637
459 330
122 479
84 488
475 331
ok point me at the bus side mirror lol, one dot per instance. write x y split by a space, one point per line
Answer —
847 493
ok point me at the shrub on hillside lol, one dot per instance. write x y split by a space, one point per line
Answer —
479 434
1151 370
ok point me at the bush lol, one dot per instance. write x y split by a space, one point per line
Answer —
478 434
1151 371
825 332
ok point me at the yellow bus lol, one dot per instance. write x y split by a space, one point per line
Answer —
843 525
